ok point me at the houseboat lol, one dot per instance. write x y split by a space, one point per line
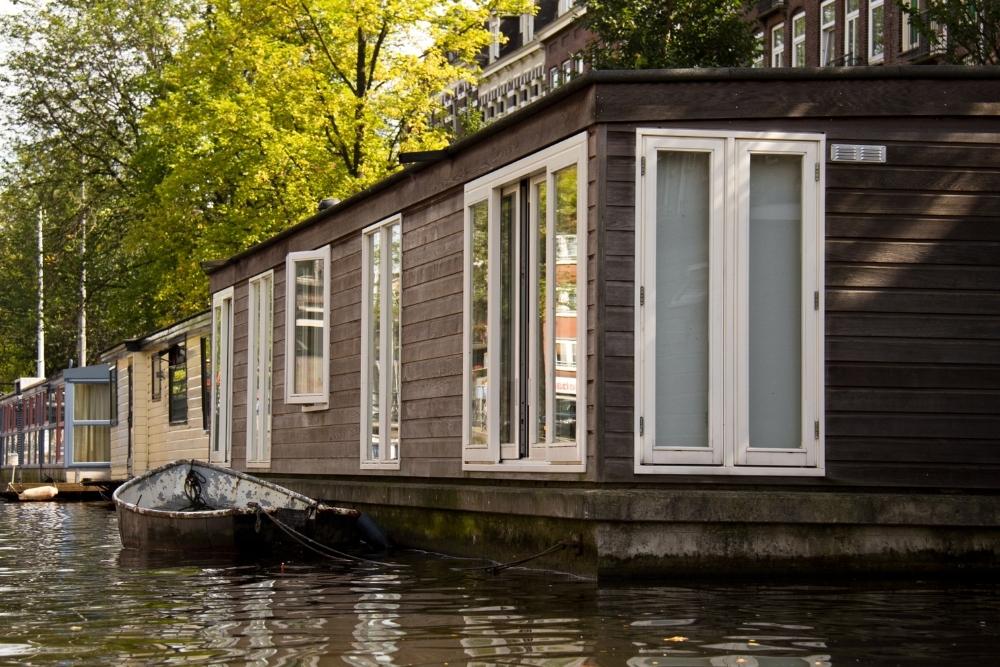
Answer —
678 322
57 429
162 383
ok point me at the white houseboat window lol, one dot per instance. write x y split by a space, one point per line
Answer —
524 275
307 343
852 22
828 29
259 368
222 372
799 40
876 31
381 287
728 323
177 383
91 422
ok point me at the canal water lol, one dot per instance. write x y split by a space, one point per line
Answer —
69 595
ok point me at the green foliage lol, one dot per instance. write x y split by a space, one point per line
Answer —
964 31
648 34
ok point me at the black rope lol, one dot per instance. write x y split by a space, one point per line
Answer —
316 547
193 485
497 568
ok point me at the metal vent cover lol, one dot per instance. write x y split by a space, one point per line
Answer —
856 153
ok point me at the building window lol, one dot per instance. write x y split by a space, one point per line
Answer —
876 31
567 71
518 409
799 40
852 21
527 28
90 424
381 287
729 334
778 45
910 37
307 337
565 354
827 32
758 58
177 407
565 6
206 383
222 373
50 403
260 339
553 78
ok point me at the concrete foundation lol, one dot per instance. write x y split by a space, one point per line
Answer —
683 532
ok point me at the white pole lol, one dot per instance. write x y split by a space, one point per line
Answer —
83 277
40 368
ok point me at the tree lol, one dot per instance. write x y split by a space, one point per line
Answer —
964 31
647 34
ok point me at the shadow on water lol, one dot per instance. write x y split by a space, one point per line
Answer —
70 595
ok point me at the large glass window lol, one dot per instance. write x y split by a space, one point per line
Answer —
222 371
259 367
91 422
307 338
799 40
525 282
381 261
728 325
778 45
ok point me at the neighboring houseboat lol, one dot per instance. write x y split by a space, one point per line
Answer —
162 385
58 429
693 321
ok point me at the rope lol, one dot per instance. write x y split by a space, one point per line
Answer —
193 485
304 540
500 567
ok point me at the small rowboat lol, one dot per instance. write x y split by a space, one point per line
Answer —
196 507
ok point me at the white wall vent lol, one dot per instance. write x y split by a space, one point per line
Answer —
856 153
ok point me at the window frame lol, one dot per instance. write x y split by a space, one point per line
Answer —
799 40
909 38
177 349
727 451
220 436
555 456
321 399
828 29
875 58
851 55
384 229
778 55
258 455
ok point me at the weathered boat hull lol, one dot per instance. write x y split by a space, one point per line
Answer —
155 515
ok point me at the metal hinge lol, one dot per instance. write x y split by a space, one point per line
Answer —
817 172
642 426
642 296
816 300
642 165
816 429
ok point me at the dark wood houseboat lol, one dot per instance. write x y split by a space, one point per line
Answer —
713 320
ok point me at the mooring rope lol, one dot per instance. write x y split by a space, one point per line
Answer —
193 485
497 568
316 547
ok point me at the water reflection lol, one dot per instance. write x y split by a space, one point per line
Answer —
69 595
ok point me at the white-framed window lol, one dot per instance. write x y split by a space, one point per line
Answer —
827 32
520 411
222 374
729 321
758 58
566 354
260 338
88 421
527 28
799 40
381 289
876 31
553 78
494 25
910 38
778 45
852 23
564 6
307 327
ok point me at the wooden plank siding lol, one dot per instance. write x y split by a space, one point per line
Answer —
912 305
